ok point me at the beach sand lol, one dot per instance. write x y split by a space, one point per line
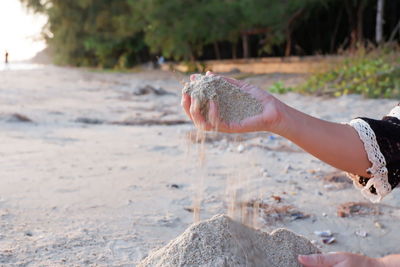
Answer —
86 181
221 241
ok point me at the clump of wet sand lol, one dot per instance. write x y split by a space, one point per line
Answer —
221 241
234 104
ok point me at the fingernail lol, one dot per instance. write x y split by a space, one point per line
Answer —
195 77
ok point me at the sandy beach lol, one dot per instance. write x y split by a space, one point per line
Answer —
93 174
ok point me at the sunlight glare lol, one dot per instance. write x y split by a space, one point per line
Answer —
19 31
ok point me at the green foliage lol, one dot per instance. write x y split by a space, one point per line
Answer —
99 33
369 73
173 27
118 34
279 88
122 33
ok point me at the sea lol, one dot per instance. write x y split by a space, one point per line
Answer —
14 66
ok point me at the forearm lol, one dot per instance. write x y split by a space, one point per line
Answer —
336 144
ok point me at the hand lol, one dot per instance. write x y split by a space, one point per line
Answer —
338 259
266 121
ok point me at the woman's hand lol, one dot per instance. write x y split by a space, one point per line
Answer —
266 121
338 259
336 144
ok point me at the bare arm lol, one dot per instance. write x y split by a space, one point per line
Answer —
336 144
333 143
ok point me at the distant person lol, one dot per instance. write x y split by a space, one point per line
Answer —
161 60
368 149
6 57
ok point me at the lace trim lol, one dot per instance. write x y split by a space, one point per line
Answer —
395 112
378 170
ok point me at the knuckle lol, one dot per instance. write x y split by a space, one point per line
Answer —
320 259
192 109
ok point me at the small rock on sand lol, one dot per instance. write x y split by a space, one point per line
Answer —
148 89
220 241
16 117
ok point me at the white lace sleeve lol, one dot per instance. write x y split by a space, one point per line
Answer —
395 112
378 170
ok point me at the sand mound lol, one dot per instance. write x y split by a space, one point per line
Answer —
234 104
220 241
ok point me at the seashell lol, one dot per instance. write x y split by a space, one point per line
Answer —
329 240
326 233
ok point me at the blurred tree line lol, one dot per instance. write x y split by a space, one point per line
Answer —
122 33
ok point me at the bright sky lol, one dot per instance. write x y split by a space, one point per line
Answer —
19 31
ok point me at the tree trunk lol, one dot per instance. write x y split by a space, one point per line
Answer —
234 50
355 18
350 17
289 29
192 57
360 20
334 34
216 51
245 42
394 32
288 49
379 22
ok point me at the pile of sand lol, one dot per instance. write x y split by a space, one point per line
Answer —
221 241
233 103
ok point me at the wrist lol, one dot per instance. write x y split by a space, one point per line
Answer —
280 124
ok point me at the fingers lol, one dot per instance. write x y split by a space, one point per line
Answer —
208 73
213 117
321 260
196 116
212 123
185 103
192 110
194 77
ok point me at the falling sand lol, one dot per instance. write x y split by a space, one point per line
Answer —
220 241
233 103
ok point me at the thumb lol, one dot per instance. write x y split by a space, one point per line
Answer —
321 260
